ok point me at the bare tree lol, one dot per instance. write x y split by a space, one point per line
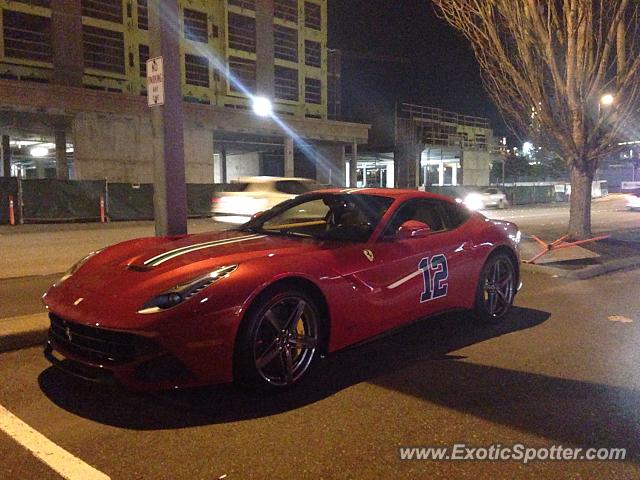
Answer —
547 64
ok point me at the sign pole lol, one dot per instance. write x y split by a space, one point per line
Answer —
164 92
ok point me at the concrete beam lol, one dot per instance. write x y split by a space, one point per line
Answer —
49 99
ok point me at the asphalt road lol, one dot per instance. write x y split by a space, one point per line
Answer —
558 371
550 221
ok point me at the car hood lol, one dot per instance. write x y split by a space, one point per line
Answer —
153 264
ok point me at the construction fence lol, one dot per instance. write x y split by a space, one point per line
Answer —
52 200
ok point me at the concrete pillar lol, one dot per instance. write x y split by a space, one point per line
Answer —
353 166
288 157
454 174
66 39
6 156
441 173
330 165
62 168
406 166
264 48
223 165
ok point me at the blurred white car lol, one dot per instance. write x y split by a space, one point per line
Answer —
488 197
250 195
633 199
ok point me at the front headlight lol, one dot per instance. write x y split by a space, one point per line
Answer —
76 266
185 291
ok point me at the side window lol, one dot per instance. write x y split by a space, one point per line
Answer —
430 212
455 215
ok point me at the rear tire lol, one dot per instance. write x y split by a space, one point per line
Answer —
496 289
279 340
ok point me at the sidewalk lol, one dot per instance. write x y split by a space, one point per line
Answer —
45 249
621 250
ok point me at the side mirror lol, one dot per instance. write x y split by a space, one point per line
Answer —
413 229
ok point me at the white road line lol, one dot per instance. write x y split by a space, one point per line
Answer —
57 458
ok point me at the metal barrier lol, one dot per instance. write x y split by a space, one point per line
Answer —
52 200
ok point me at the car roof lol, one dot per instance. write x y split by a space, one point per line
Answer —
396 193
267 179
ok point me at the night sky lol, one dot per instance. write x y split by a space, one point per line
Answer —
440 71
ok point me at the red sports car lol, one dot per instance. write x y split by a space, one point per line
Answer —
259 304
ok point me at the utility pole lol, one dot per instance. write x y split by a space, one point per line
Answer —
167 120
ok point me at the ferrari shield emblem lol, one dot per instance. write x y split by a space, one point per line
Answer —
368 254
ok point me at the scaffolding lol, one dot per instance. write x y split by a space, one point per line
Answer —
420 125
115 41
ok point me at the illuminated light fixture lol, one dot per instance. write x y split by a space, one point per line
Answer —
39 152
262 106
607 99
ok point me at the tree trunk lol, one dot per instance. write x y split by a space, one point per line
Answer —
580 207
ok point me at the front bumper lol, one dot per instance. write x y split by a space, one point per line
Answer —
135 360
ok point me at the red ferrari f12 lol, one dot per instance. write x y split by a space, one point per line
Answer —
259 304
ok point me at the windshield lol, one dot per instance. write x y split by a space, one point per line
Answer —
330 216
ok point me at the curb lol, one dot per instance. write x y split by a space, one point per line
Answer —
24 331
584 273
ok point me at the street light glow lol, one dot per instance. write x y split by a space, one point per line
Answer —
262 106
607 99
39 151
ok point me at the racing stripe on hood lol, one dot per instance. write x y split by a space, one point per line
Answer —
171 254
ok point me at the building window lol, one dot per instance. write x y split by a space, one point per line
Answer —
312 53
242 32
312 16
286 83
244 72
103 49
27 36
109 10
195 26
312 91
285 43
196 70
286 10
143 15
143 56
248 4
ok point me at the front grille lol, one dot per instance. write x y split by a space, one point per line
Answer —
99 345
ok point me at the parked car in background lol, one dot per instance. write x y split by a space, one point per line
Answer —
488 197
256 194
633 199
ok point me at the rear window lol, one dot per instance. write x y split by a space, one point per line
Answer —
293 187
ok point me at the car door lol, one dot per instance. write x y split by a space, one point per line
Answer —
423 275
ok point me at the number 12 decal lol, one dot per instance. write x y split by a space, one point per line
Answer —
435 273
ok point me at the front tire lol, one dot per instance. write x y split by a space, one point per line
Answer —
496 289
279 340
